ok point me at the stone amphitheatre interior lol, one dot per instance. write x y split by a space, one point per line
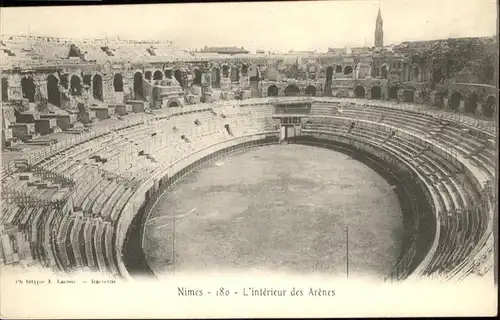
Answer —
126 157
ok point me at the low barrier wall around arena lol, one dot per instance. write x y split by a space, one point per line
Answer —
130 229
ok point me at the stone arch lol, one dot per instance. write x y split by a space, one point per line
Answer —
329 75
244 70
376 93
197 77
179 77
235 74
75 85
439 99
409 95
138 87
97 87
437 76
53 93
489 106
5 90
272 91
471 103
215 77
455 100
148 75
348 70
393 92
118 82
359 92
28 88
158 75
254 77
488 72
225 71
174 103
415 73
311 91
292 91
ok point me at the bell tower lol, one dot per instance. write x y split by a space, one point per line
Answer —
379 32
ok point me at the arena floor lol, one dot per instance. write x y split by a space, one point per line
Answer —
281 208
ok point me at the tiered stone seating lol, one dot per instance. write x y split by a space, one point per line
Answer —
88 236
110 259
460 228
324 109
62 235
105 182
98 241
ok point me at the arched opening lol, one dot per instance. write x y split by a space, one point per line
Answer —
173 104
329 75
225 71
272 91
28 87
437 76
347 70
292 91
169 73
235 74
178 76
254 74
244 70
376 93
53 93
197 77
409 95
5 90
118 82
338 69
384 72
488 73
138 89
76 86
489 106
215 77
393 92
439 99
415 72
97 87
471 103
158 75
359 92
148 75
455 100
311 91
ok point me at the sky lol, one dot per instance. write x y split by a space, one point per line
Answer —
271 26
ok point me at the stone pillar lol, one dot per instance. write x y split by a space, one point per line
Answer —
401 95
41 84
108 90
